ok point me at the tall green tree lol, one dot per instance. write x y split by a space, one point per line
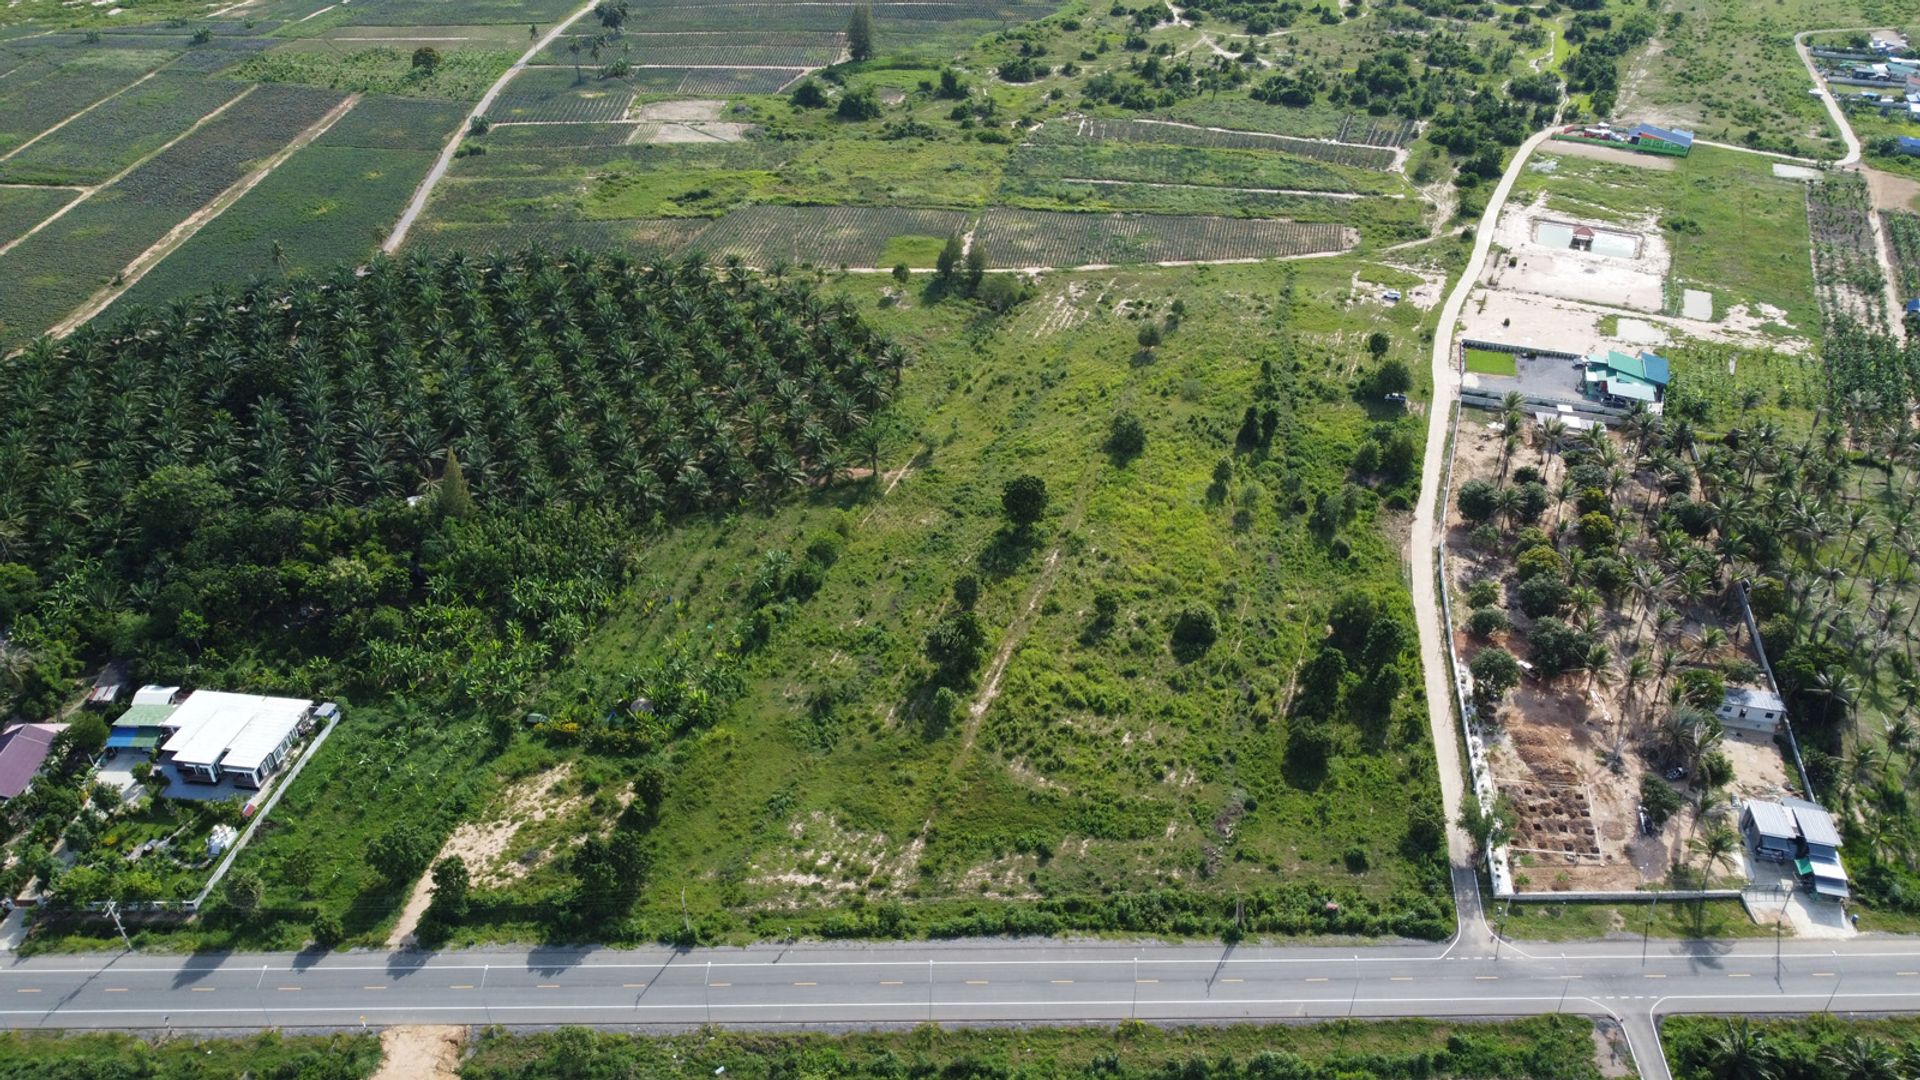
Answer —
860 32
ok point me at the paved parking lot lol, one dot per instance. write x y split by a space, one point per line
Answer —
1542 378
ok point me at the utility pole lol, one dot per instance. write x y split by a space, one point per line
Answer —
113 912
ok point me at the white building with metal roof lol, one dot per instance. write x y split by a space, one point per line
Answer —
241 736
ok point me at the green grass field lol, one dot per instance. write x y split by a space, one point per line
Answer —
335 1057
1490 362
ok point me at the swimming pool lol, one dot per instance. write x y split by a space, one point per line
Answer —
1559 234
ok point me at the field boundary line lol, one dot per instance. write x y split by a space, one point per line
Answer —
8 156
432 180
1399 152
88 193
683 67
198 220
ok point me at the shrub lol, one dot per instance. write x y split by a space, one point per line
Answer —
955 645
1483 593
1539 562
1126 436
1194 632
1488 621
1556 647
809 95
1495 672
858 105
1024 500
1702 687
1477 500
1659 798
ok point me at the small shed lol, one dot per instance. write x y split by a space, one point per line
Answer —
1770 830
1750 708
1582 238
1658 140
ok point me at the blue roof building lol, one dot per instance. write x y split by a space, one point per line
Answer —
1660 140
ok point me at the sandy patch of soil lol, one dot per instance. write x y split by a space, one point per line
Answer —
487 846
681 111
1572 326
1524 264
1067 307
699 133
1891 191
420 1052
1608 153
1795 172
824 856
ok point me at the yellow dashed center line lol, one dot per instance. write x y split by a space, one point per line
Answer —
1907 973
548 986
1232 980
1487 978
1145 981
976 982
1402 978
1739 974
1063 982
461 986
892 982
27 990
634 986
115 990
1317 978
806 984
720 984
1656 976
288 988
204 989
373 988
1823 974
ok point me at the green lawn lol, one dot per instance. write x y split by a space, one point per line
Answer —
333 1057
1490 362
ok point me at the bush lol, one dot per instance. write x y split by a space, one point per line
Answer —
326 930
1000 293
1483 593
1024 500
1539 562
1488 621
1495 672
858 105
1477 500
1701 687
1126 436
1194 631
1660 799
1542 596
955 645
809 95
1556 647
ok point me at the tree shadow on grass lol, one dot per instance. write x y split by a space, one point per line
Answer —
1010 549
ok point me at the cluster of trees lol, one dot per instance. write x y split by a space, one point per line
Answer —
1817 1048
1594 67
429 457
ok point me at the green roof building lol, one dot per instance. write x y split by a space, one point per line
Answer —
1619 379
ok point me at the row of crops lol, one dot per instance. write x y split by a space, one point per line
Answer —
1188 165
1903 232
1376 130
119 132
55 270
560 95
1847 277
1165 133
801 49
1021 238
881 236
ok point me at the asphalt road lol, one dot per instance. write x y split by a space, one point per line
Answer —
1031 982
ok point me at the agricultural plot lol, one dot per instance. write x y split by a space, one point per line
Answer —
1096 129
511 137
643 238
475 12
550 95
57 84
866 236
1254 169
788 50
463 73
119 132
1903 234
331 203
1375 130
56 269
1381 219
1848 281
23 208
1023 238
723 81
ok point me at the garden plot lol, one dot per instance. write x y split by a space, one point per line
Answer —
860 236
1607 625
1535 257
1164 132
1031 239
1848 282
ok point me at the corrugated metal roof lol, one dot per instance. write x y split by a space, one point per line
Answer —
1672 135
240 730
155 695
23 749
1816 826
1752 697
144 716
1772 820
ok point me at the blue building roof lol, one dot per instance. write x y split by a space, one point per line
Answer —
1671 135
1913 307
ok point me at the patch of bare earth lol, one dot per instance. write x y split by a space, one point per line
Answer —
695 110
1891 191
1608 153
487 846
420 1052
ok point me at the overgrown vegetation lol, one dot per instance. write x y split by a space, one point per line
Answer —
1546 1048
1815 1048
